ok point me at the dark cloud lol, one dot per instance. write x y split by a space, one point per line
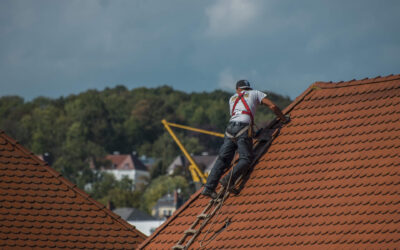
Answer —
55 48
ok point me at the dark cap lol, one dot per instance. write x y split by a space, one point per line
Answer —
243 84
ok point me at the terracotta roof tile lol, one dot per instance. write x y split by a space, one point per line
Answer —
329 180
41 209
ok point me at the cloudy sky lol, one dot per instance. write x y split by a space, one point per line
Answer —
55 48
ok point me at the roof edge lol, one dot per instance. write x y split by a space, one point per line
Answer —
72 186
299 99
354 82
341 84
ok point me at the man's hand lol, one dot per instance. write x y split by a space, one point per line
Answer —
276 110
286 119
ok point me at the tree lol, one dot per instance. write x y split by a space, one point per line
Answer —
83 128
160 187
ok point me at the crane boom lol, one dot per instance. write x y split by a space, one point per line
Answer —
197 174
195 129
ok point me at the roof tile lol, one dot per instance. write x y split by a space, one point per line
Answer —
40 209
329 180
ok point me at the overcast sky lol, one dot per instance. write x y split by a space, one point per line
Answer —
55 48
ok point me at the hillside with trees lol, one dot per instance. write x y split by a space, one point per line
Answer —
77 129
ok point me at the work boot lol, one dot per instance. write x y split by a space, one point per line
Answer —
209 192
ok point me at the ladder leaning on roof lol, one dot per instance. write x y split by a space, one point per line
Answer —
213 206
261 145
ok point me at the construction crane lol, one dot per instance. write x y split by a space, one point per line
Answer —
197 174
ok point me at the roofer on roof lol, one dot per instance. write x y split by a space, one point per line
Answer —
238 135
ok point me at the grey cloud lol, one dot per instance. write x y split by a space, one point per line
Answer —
56 48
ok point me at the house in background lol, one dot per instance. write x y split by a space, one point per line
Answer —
125 165
146 160
167 205
205 162
142 221
39 209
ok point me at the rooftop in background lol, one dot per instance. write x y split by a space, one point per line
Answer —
329 180
126 165
130 213
125 162
205 162
41 209
167 205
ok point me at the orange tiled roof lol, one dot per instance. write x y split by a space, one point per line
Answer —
116 159
331 179
41 209
131 162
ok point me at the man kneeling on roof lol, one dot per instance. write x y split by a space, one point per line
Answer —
238 135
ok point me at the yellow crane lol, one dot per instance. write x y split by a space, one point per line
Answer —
197 174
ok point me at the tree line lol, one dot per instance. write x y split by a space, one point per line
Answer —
77 129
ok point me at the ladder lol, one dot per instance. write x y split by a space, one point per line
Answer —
263 142
208 212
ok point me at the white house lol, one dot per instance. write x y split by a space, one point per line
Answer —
126 165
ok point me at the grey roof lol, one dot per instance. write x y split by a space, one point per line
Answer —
132 214
138 163
166 200
204 161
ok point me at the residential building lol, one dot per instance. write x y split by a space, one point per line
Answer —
126 165
39 209
204 161
329 179
167 205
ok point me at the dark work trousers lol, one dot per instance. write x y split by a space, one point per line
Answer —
243 144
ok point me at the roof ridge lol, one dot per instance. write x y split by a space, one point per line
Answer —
341 84
70 185
299 99
355 82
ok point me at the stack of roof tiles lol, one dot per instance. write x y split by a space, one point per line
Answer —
41 209
331 179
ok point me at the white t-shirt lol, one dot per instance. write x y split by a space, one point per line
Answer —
253 99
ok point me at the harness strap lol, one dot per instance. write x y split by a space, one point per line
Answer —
238 134
248 110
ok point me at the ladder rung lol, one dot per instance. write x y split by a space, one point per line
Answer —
178 247
202 216
190 231
218 200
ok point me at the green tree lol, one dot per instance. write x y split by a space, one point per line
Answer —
81 129
160 187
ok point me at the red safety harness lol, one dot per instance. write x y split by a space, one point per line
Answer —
247 111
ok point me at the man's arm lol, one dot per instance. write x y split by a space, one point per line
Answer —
274 108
